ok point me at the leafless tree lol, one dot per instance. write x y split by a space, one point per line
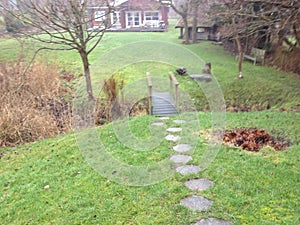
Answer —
199 12
263 22
182 8
190 12
228 13
63 25
195 4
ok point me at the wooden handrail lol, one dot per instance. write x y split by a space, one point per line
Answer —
176 84
149 81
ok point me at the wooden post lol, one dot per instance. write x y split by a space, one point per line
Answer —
176 95
176 84
149 91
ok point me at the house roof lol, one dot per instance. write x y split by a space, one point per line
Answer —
140 4
119 2
204 23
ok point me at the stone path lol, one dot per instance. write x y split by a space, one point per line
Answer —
198 184
171 137
212 221
181 158
182 148
174 129
188 169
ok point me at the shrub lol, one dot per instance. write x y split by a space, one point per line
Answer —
109 103
112 104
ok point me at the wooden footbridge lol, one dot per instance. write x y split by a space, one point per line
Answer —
163 103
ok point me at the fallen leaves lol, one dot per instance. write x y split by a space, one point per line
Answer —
253 139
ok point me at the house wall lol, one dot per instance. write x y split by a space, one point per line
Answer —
142 6
123 19
164 13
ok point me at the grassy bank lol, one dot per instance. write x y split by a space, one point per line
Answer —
50 182
249 188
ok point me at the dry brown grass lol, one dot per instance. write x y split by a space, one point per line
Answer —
32 105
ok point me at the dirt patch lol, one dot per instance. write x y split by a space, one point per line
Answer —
253 139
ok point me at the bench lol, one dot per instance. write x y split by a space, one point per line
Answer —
256 55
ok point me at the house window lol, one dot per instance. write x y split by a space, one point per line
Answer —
151 19
115 18
99 16
133 19
152 15
200 30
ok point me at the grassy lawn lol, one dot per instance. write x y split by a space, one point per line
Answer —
249 188
50 182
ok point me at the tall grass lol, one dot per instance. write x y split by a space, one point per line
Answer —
33 104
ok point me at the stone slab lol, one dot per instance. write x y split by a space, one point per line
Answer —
181 158
159 124
179 121
212 221
196 203
164 118
182 148
201 77
174 129
188 169
198 184
172 137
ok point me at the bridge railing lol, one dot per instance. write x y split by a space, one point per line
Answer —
149 81
174 82
173 89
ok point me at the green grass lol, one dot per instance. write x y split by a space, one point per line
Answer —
261 88
249 188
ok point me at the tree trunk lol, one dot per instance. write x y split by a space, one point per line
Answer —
186 30
241 55
195 22
184 14
87 75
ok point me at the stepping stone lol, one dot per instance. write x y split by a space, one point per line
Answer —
157 124
172 137
212 221
179 121
196 203
164 118
174 129
198 184
181 158
188 169
182 148
201 77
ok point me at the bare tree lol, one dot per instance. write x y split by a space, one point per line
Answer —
260 23
182 8
234 26
63 25
199 11
195 7
190 12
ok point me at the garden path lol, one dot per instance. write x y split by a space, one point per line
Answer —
194 202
